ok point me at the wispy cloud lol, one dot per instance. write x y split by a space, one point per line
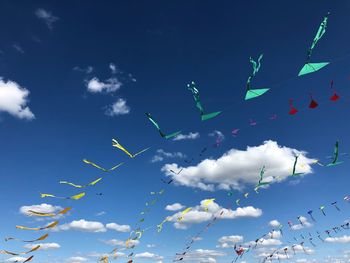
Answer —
46 16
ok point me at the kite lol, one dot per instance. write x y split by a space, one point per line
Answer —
260 183
347 198
313 67
300 221
43 237
28 259
273 117
235 132
238 202
177 173
252 122
62 212
335 205
169 182
101 168
150 118
104 259
310 213
203 151
116 144
292 110
195 92
313 104
82 186
322 207
295 166
160 226
74 197
335 155
335 96
51 225
253 93
23 253
207 202
184 212
246 195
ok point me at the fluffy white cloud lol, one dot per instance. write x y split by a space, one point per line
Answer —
174 207
229 241
343 239
274 223
42 208
83 225
239 167
118 108
14 100
304 224
100 213
46 16
77 259
43 246
118 228
161 155
94 85
190 136
148 255
203 213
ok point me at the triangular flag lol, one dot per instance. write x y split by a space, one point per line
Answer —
335 97
253 93
210 115
313 104
312 67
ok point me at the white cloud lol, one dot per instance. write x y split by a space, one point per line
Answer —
118 228
94 85
116 242
42 208
77 259
236 168
229 241
46 16
174 207
83 225
305 224
100 213
16 259
113 68
14 100
202 213
161 155
203 255
87 70
274 223
43 246
118 108
18 48
148 255
190 136
343 239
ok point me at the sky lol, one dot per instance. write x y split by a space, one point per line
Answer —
75 74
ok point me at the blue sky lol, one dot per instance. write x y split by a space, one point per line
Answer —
63 67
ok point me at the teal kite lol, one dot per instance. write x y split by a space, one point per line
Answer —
313 67
261 183
163 135
294 173
335 155
195 93
253 93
